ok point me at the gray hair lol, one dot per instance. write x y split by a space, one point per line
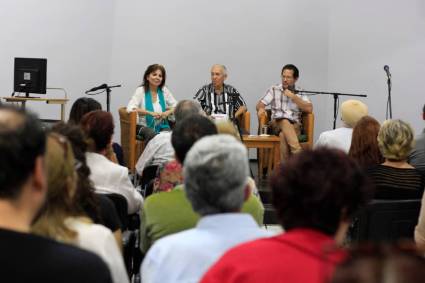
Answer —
222 67
215 174
186 108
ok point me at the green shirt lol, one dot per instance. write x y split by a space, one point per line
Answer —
167 213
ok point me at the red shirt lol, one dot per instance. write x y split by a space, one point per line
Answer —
299 255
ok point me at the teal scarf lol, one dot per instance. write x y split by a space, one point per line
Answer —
156 125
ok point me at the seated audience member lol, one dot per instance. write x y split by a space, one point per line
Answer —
107 177
98 207
381 264
84 105
287 105
60 219
170 212
153 102
314 207
351 112
364 147
417 156
159 150
395 178
218 98
25 257
216 185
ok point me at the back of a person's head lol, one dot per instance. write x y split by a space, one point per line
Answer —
188 131
61 183
352 111
227 128
82 106
381 264
318 189
98 127
186 108
364 143
84 195
215 174
395 139
22 141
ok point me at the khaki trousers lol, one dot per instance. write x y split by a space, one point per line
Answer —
288 133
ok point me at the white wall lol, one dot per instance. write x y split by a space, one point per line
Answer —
338 46
366 35
74 36
254 40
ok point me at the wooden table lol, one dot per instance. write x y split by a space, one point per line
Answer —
271 144
23 101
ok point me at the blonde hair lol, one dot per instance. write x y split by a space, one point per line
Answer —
352 111
227 128
395 139
61 180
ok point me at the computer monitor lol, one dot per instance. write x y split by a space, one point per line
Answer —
30 75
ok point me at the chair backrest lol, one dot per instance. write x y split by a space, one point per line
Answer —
121 206
245 122
386 220
130 146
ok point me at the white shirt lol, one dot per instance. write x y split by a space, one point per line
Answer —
111 178
100 240
339 138
138 101
158 151
187 255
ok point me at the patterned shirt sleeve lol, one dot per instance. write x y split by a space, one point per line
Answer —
268 97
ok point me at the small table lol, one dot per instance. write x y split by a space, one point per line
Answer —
23 101
271 144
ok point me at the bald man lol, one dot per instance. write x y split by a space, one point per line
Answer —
216 97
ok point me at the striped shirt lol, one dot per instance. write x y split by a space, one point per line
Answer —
219 104
397 183
282 106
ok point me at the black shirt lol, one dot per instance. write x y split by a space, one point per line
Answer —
397 183
30 258
108 215
228 102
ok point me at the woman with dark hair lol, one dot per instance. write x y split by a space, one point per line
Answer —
82 106
364 144
315 194
153 102
107 177
98 207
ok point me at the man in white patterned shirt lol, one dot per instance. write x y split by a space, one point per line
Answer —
287 104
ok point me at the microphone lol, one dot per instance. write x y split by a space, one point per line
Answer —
102 86
387 70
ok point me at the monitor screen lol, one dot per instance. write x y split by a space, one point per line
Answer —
30 75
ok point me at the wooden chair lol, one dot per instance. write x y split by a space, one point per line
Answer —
245 122
306 137
132 148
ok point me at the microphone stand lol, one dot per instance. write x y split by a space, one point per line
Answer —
336 99
108 95
389 104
